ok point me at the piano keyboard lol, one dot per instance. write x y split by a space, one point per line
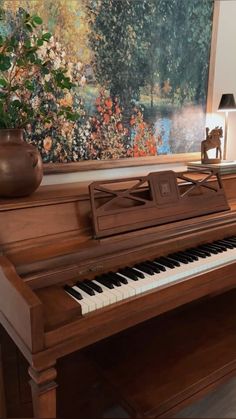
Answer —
117 286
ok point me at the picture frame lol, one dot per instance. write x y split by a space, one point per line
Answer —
180 157
57 168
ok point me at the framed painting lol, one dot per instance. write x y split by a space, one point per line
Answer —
140 70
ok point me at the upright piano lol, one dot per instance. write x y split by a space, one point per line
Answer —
73 272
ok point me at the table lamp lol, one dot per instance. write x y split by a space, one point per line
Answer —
227 104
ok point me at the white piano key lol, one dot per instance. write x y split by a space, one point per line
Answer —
91 304
101 296
128 287
107 292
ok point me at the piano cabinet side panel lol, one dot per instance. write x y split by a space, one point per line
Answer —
20 308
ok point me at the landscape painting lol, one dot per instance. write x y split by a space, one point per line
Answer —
140 70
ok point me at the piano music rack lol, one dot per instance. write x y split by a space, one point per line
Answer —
119 206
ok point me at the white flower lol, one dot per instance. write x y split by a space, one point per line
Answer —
79 65
35 102
82 81
52 54
42 52
15 97
57 63
47 77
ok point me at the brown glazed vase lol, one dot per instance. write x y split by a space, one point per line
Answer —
21 168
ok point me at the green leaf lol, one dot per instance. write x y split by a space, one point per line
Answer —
5 62
20 62
27 43
16 103
46 36
13 41
45 70
72 116
29 27
37 20
1 40
40 42
3 95
38 62
3 83
29 85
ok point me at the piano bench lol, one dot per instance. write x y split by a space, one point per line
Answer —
164 364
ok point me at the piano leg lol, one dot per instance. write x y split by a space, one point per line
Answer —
2 392
43 388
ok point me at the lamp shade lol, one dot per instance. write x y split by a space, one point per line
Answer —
227 103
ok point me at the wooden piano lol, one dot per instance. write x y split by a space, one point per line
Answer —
47 242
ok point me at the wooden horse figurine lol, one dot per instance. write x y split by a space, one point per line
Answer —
212 141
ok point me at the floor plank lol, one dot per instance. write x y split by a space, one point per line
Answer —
221 403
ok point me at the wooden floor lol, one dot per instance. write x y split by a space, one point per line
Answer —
221 403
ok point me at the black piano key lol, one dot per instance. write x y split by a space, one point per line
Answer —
212 250
165 263
144 268
73 292
232 238
123 280
206 252
159 266
104 281
233 242
153 266
185 256
115 281
168 261
189 254
219 246
129 274
85 288
178 258
94 286
197 253
140 275
226 244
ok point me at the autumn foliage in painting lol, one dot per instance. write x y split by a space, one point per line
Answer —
128 96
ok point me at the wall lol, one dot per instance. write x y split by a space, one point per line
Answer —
225 68
224 82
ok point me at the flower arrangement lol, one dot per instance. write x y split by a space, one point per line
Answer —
24 69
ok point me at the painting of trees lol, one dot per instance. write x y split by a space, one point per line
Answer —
140 70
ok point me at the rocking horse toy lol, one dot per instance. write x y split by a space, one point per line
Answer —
212 141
